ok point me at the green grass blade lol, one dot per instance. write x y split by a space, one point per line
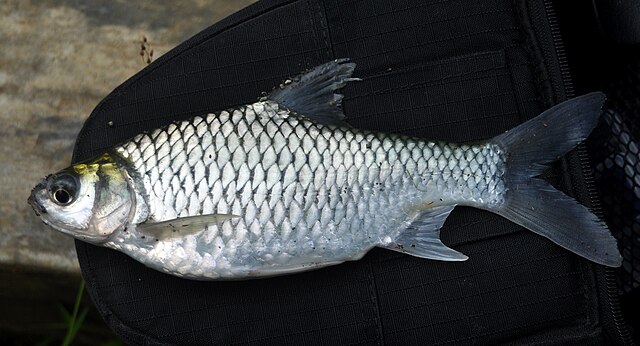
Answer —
73 325
78 324
66 316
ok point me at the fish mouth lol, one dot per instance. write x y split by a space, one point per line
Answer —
33 201
37 207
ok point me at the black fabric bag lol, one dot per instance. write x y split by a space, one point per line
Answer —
448 70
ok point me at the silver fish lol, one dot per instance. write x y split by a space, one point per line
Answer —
285 185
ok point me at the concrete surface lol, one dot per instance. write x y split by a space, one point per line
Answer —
58 59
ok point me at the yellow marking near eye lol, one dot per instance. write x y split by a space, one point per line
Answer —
103 161
83 168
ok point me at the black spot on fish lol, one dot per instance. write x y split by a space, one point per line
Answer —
143 237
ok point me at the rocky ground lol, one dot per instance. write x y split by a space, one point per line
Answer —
59 58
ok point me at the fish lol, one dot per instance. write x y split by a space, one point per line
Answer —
284 185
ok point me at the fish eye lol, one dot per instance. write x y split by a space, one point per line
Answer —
63 189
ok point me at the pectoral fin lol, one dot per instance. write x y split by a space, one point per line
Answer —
422 237
181 226
277 270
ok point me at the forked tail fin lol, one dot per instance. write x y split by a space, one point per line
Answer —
533 203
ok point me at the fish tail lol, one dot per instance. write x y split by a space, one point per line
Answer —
532 202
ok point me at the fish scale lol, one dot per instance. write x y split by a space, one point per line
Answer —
263 163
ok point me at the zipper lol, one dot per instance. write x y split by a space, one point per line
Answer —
565 73
607 274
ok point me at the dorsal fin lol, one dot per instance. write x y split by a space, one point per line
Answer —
312 94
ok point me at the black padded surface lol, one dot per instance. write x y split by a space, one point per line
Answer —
450 70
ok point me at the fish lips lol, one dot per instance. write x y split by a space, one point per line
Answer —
38 208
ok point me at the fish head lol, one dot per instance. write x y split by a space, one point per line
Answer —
89 201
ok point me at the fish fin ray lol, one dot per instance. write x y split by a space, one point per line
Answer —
313 94
541 208
536 205
182 226
277 270
422 237
532 145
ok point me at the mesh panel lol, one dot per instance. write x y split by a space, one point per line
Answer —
617 172
614 149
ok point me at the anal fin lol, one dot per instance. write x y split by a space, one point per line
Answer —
422 237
